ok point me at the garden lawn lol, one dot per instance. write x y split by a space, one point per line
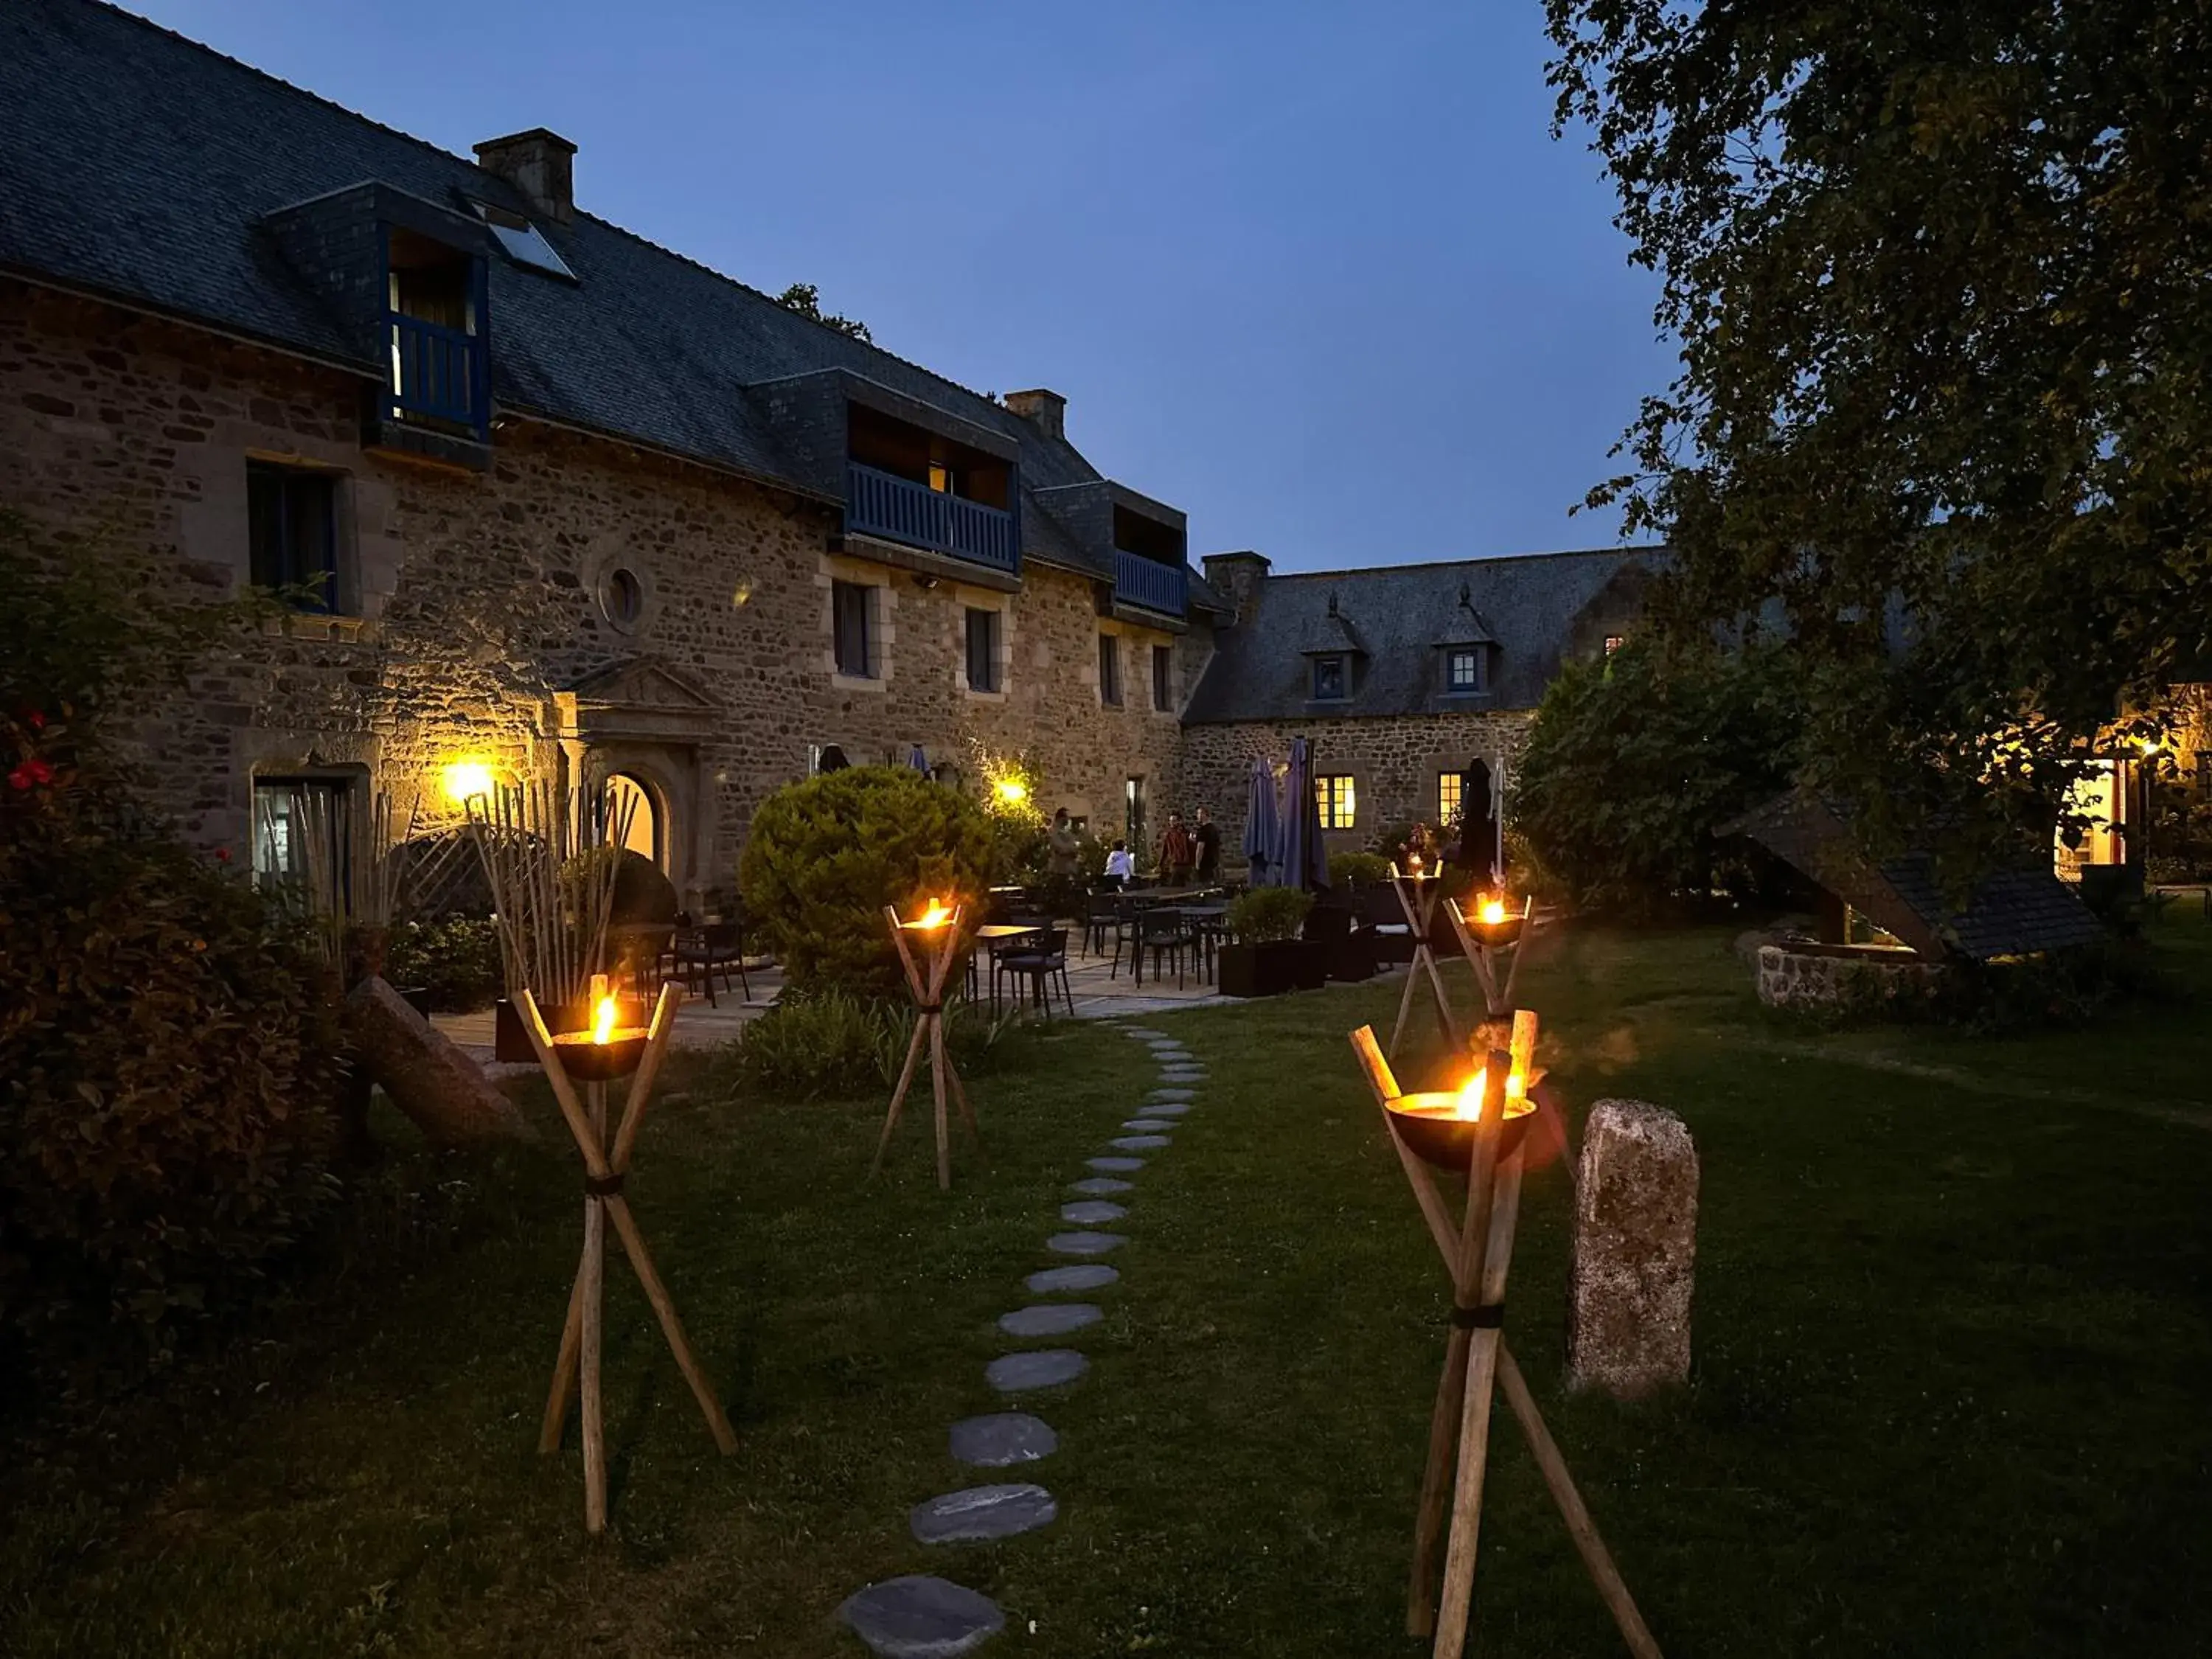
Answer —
1951 1332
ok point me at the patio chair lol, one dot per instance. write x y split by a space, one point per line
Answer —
1101 914
1038 965
697 954
1000 949
1164 932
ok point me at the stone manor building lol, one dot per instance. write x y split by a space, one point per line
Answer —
550 502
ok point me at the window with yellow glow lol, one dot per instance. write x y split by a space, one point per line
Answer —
1334 794
1447 787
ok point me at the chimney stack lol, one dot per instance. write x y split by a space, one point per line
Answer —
1047 411
540 164
1237 577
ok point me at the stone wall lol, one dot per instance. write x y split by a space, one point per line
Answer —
1394 762
477 627
1841 976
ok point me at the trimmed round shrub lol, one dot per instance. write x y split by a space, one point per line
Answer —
1267 914
826 855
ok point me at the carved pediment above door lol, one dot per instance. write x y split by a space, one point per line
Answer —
640 698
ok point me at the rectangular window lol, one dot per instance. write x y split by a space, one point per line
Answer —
855 639
982 650
1109 669
292 534
299 823
1464 671
1162 678
1448 788
1132 814
1334 794
1328 679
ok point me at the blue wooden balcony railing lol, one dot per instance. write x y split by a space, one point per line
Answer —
1141 581
439 373
883 504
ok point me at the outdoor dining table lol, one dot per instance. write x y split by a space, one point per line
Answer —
996 937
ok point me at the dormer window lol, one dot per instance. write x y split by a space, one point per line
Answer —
1332 679
1463 668
523 242
434 302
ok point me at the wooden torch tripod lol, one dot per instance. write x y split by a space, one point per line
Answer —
603 1171
926 979
1416 897
1486 946
1477 1250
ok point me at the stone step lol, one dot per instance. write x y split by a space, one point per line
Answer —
921 1617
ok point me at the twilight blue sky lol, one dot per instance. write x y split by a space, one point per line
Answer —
1317 274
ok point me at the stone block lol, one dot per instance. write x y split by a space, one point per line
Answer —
1634 1251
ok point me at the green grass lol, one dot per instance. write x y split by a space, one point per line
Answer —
1951 1332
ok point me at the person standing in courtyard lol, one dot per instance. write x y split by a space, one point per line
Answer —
1063 847
1207 838
1176 851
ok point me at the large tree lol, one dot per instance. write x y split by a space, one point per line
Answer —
1940 271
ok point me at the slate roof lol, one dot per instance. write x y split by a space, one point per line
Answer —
138 165
2019 911
1539 608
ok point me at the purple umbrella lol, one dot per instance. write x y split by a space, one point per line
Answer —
1305 858
1263 825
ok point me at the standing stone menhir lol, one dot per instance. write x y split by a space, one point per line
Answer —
1634 1249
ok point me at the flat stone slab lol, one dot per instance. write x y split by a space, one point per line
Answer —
1114 1165
1092 1212
1001 1438
1164 1108
1101 1187
1147 1125
1172 1094
1046 1368
1084 1244
1184 1073
1053 1280
918 1616
1142 1032
1140 1143
1050 1319
983 1513
1166 1047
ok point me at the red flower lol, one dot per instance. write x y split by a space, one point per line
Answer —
38 720
222 856
31 771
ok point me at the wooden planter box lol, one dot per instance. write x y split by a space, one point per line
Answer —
1353 956
1270 970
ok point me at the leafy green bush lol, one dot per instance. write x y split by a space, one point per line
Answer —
1347 870
827 855
1637 760
1267 915
455 959
834 1045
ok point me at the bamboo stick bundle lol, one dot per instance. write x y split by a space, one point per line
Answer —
551 856
346 858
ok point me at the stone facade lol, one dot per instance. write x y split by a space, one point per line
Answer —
1831 977
1394 762
475 624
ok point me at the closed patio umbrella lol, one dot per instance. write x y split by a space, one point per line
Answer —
1305 858
1263 825
917 759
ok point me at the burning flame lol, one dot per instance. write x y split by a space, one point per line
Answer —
1493 910
936 916
603 1021
1413 861
1470 1098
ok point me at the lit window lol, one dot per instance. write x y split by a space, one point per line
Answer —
941 478
1464 670
299 824
524 242
1613 642
1448 788
1328 679
1334 795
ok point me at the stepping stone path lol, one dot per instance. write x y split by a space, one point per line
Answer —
1048 1368
1101 1187
982 1513
1095 1277
1083 1244
921 1617
1001 1438
1050 1319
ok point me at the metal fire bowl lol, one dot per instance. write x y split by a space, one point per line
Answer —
1496 934
599 1062
1431 1126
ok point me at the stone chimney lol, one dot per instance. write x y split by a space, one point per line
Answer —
1047 410
1237 577
540 164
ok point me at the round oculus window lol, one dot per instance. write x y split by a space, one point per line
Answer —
621 596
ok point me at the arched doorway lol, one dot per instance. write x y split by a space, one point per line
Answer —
625 794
